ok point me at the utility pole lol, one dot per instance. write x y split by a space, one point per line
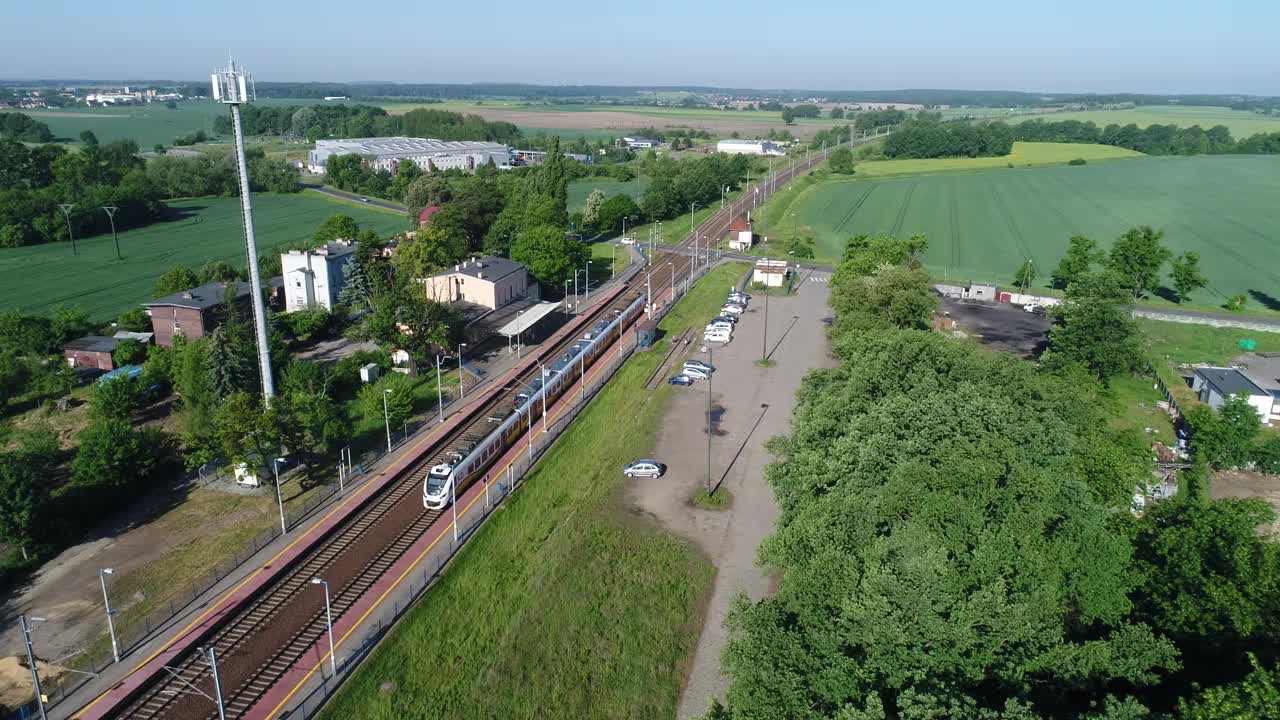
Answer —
106 601
111 215
764 337
66 213
439 391
217 683
710 361
233 86
31 660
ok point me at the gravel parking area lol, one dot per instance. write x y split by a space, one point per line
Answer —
749 404
1001 326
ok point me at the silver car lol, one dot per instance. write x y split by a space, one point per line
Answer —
644 468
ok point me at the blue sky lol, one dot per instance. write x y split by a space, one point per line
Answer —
1087 45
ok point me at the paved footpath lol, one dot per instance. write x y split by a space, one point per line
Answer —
740 427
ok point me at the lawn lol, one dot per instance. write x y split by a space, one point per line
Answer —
146 124
1241 123
580 189
1024 153
1176 343
565 605
204 229
983 225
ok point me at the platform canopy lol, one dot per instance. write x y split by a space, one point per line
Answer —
528 318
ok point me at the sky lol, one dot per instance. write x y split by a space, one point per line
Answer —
1083 46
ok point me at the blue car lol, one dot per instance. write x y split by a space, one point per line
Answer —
681 380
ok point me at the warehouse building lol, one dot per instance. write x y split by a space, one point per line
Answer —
748 147
388 152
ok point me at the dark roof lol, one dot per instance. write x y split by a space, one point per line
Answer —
493 268
201 298
93 343
1230 381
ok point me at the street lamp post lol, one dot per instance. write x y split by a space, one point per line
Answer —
567 306
586 280
66 213
710 361
111 216
439 391
692 228
542 373
275 467
106 601
328 619
765 335
386 416
31 660
462 390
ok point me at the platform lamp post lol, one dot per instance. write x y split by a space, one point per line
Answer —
234 87
106 601
217 684
693 230
386 416
711 360
567 306
66 213
542 373
275 466
723 190
462 390
111 216
764 337
328 620
586 281
439 390
31 660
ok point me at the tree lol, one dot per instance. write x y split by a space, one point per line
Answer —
68 322
550 256
13 375
892 296
1185 274
1025 275
336 227
1137 257
24 498
111 456
229 370
788 116
841 161
175 280
88 139
613 211
357 289
1093 328
310 322
244 431
115 399
1224 439
591 211
1257 696
426 191
399 402
837 113
134 320
129 352
1082 254
433 248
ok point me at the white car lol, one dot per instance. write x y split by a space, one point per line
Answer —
699 365
1036 308
627 241
736 298
695 373
644 468
724 338
732 309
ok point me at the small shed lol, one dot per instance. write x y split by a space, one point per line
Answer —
91 351
369 373
646 333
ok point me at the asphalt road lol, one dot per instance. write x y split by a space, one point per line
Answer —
356 198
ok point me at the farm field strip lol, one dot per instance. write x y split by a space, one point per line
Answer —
1241 123
207 229
1024 153
982 225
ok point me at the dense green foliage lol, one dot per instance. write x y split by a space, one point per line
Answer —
1093 329
675 184
217 175
954 540
313 122
918 139
1152 140
21 127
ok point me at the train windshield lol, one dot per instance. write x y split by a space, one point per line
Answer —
437 478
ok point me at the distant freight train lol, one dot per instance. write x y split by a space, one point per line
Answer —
461 469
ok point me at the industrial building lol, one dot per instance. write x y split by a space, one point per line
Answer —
388 152
748 147
314 277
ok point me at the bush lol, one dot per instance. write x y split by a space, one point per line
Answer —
399 402
1077 161
307 324
129 352
1236 303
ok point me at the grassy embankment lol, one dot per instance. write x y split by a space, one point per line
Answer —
565 605
204 229
1024 154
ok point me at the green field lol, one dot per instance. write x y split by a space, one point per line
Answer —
1241 123
981 225
580 189
147 124
566 605
206 229
1024 153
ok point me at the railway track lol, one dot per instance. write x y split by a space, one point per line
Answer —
261 639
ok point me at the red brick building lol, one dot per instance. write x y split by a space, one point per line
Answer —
91 351
192 313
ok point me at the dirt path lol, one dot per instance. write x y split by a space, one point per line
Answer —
740 427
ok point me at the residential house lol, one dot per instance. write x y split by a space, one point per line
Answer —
193 313
313 278
1215 384
488 282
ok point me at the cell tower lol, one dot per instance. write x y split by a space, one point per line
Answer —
233 86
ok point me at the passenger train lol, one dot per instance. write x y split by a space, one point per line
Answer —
462 466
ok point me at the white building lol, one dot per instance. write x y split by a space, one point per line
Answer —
388 152
640 143
748 147
1215 384
770 273
313 278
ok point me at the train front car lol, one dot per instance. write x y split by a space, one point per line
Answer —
435 491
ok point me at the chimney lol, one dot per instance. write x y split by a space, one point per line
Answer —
187 294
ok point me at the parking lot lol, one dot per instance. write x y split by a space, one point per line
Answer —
749 404
1001 326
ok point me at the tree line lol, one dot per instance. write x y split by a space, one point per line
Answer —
934 565
928 138
21 127
1152 140
314 122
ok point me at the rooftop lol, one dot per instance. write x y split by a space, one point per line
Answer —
337 248
201 298
489 268
402 146
93 343
1230 381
